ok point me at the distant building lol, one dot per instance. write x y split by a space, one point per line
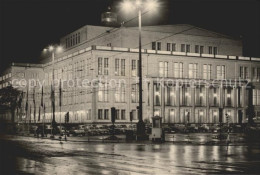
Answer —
191 75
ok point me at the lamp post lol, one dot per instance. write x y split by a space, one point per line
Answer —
140 6
53 50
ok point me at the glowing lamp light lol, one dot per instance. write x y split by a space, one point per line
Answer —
127 6
59 49
201 95
151 5
138 2
157 93
228 95
51 48
215 95
186 94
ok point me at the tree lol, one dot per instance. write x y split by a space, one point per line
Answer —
10 100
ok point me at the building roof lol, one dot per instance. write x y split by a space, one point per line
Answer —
185 29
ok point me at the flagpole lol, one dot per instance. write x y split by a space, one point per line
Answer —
60 106
43 120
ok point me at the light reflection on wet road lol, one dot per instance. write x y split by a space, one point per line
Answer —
43 156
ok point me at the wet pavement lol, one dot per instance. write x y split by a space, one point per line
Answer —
28 155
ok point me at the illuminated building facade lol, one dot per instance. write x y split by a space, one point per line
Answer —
191 75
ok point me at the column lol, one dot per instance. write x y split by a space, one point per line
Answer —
151 98
235 104
178 101
207 104
192 113
163 102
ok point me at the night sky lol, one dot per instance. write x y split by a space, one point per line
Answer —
27 26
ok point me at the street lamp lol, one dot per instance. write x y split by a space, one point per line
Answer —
141 6
53 50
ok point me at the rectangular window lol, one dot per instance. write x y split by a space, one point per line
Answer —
123 67
197 49
118 114
168 47
178 70
210 50
193 70
135 93
99 66
153 45
100 114
106 114
200 96
215 51
207 71
170 96
134 70
221 72
163 69
117 67
256 97
103 93
244 74
120 93
256 74
188 48
173 47
182 47
105 66
157 95
123 114
158 45
201 49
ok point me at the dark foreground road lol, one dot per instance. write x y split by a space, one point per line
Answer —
24 155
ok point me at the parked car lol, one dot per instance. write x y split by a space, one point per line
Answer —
76 131
179 128
203 128
214 128
192 128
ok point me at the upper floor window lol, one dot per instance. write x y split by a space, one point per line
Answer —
171 47
221 72
215 50
210 50
163 69
159 46
193 70
182 47
256 74
134 68
178 70
256 97
168 47
243 72
187 48
120 93
207 71
100 66
105 66
201 49
134 93
197 49
156 46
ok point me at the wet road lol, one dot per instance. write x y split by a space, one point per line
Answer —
43 156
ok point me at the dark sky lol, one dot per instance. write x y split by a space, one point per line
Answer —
27 26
